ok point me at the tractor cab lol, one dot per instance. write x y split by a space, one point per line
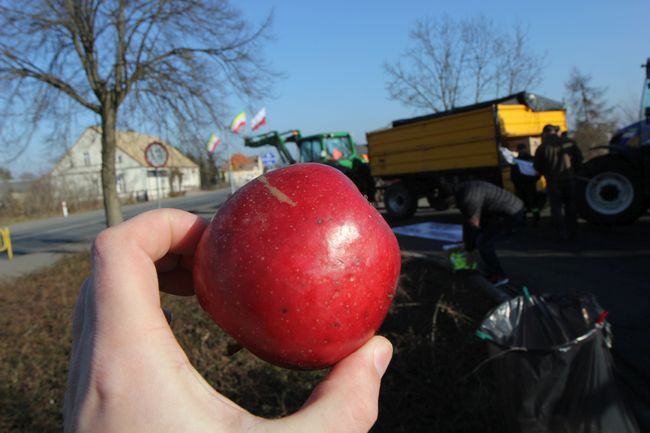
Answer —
634 135
335 149
332 147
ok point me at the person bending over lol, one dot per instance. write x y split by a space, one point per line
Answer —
489 214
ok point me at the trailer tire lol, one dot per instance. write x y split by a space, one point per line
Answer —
400 201
609 192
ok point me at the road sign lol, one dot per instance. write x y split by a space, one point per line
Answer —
268 159
156 155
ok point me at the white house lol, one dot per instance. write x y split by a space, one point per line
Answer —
243 169
79 171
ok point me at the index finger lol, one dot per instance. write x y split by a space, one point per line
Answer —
124 272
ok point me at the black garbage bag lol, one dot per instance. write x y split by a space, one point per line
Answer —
553 367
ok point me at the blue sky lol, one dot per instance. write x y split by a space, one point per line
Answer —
332 54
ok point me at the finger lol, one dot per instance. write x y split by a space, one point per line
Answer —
347 400
125 277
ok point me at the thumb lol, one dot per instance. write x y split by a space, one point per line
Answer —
347 400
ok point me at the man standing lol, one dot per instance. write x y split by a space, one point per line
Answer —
489 213
526 184
556 159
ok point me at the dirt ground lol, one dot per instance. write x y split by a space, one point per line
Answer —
430 385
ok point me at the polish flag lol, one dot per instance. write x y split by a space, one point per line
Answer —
259 119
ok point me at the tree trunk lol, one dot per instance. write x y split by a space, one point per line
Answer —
112 208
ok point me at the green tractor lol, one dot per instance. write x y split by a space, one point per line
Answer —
331 148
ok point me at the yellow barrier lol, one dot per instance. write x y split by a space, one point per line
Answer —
5 242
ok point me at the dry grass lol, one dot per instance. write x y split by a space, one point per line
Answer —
35 334
424 389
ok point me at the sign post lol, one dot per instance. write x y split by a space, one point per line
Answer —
268 159
156 156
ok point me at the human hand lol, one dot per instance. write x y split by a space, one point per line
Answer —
128 373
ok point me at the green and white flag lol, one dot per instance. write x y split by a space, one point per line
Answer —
238 123
213 142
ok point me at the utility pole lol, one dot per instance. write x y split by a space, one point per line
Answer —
232 187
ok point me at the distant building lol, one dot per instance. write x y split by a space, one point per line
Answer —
244 169
79 171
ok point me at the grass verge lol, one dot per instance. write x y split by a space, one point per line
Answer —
426 388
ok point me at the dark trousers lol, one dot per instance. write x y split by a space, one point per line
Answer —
493 230
526 190
562 199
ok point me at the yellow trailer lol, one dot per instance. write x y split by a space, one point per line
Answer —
413 155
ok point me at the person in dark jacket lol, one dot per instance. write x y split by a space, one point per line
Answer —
489 213
526 185
557 159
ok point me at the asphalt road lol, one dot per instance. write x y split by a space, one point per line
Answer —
40 243
613 263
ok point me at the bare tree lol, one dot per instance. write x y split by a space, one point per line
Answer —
430 76
5 174
584 99
519 68
478 34
591 117
455 62
171 63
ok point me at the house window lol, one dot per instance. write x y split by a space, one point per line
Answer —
161 173
71 162
120 183
86 159
119 159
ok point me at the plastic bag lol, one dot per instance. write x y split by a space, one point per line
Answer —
553 367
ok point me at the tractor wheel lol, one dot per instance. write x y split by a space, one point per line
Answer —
401 202
609 192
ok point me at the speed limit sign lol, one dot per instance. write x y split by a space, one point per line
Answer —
156 155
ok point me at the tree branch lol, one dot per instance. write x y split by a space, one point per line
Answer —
83 38
24 69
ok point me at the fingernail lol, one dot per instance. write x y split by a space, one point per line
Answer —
383 354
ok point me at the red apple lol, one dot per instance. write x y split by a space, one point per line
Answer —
298 267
